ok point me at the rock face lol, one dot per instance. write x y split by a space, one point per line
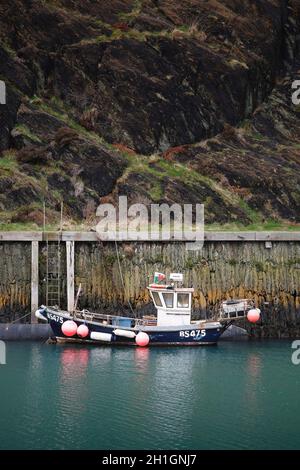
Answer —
94 88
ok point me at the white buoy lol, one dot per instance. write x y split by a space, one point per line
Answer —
100 336
125 333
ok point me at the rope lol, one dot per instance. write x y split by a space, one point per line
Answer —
18 319
121 276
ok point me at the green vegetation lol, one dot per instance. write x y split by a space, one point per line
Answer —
156 192
15 227
58 109
8 160
259 266
267 226
191 263
232 262
160 169
257 136
23 129
10 51
134 13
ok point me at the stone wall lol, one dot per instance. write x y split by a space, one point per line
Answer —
15 278
270 276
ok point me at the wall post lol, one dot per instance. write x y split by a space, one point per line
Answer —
70 274
34 279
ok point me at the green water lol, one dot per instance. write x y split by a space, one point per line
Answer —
242 395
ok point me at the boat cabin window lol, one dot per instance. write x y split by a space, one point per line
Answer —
183 300
168 298
156 299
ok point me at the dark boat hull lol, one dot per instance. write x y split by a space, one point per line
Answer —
187 335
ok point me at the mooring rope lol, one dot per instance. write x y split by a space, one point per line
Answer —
18 319
121 276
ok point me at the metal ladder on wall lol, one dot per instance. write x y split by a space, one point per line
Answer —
53 267
53 257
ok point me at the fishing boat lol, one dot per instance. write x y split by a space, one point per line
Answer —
172 324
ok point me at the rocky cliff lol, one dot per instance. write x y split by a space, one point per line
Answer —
162 100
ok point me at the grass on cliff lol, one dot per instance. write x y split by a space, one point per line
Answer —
157 167
161 169
26 132
268 226
8 160
57 108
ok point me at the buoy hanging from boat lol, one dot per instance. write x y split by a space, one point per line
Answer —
82 331
142 339
69 328
101 336
125 333
253 315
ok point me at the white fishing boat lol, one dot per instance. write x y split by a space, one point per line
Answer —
172 324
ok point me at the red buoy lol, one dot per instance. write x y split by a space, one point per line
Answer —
82 331
253 315
69 328
142 339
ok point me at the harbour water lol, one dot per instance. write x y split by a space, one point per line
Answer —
238 395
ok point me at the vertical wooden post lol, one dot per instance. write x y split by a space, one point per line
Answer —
34 279
70 275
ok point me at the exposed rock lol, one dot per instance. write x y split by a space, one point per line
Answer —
189 80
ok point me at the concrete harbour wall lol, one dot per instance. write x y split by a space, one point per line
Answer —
266 271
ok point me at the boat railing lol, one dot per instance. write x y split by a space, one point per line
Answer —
235 310
116 320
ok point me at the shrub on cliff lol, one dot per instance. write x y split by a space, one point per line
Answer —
33 154
65 136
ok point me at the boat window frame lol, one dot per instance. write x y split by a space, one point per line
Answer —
173 297
160 299
189 302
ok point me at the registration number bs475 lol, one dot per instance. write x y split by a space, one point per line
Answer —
192 334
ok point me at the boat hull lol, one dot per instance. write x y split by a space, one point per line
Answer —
186 335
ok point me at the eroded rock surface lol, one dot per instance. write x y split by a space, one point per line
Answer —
162 100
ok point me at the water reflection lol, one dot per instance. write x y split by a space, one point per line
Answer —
74 359
253 380
100 355
233 396
254 367
141 358
73 372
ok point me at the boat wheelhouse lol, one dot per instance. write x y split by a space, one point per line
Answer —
173 306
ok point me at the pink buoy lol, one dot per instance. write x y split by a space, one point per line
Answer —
142 339
253 315
82 331
69 328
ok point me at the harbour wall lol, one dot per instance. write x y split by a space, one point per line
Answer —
263 268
